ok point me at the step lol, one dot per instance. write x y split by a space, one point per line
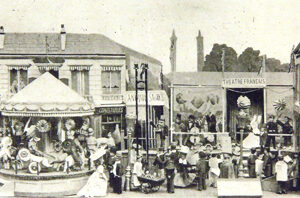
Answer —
7 190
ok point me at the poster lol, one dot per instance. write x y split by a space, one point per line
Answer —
198 102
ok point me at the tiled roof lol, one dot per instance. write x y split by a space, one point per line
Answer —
215 78
43 43
49 43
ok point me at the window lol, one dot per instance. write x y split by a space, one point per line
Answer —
18 80
80 81
111 82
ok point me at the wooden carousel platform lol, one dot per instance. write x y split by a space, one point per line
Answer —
46 184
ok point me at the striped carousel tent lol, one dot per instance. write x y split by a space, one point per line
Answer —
47 96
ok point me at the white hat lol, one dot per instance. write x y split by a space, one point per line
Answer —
184 149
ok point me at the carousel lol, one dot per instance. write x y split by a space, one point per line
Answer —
47 140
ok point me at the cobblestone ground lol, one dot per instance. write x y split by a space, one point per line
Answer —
192 192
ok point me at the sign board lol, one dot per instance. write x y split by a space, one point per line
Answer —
244 82
225 141
155 98
239 188
109 110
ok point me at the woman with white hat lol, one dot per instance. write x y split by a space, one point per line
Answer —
183 178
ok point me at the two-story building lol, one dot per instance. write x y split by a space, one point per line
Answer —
99 69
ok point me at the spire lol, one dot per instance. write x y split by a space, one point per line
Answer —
200 52
173 51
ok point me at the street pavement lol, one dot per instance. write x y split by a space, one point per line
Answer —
192 192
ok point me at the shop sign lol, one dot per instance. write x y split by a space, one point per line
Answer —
244 82
112 97
154 98
109 110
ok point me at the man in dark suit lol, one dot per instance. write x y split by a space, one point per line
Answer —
118 173
212 122
170 170
271 129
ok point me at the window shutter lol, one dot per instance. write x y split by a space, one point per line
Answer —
86 83
74 80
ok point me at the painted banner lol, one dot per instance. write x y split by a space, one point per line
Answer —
199 102
280 101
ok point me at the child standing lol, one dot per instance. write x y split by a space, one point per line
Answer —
201 168
214 171
251 163
281 170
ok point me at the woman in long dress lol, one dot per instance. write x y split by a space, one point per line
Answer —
137 172
253 139
96 185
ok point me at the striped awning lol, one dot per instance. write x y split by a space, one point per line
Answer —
79 67
48 66
18 66
111 67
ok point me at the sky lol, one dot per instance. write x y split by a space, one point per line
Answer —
271 26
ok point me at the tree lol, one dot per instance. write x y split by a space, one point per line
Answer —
272 64
213 61
249 60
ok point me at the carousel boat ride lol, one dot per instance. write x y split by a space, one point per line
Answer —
47 140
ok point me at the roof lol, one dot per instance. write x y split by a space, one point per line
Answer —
49 43
47 96
215 78
139 55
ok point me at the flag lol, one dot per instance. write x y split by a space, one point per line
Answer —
262 67
223 60
292 60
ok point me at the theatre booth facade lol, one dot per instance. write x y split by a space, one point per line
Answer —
235 103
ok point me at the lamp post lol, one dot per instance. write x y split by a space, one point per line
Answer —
128 168
141 78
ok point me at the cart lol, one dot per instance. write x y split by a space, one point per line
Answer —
150 184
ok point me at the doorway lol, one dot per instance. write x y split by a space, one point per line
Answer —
256 97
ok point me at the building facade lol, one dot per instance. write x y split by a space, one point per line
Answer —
94 66
203 94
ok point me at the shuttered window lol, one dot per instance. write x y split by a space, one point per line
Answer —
18 80
80 82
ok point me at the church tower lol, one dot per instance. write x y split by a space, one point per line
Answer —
173 52
200 52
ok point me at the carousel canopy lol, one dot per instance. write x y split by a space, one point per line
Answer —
47 96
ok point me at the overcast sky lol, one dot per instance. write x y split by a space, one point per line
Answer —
272 26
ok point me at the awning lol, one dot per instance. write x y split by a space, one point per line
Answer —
155 98
47 96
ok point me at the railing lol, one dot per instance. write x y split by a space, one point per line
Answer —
182 136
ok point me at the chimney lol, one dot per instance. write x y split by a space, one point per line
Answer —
2 35
173 51
63 37
200 52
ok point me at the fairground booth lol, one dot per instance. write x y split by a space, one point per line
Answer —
39 163
223 108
